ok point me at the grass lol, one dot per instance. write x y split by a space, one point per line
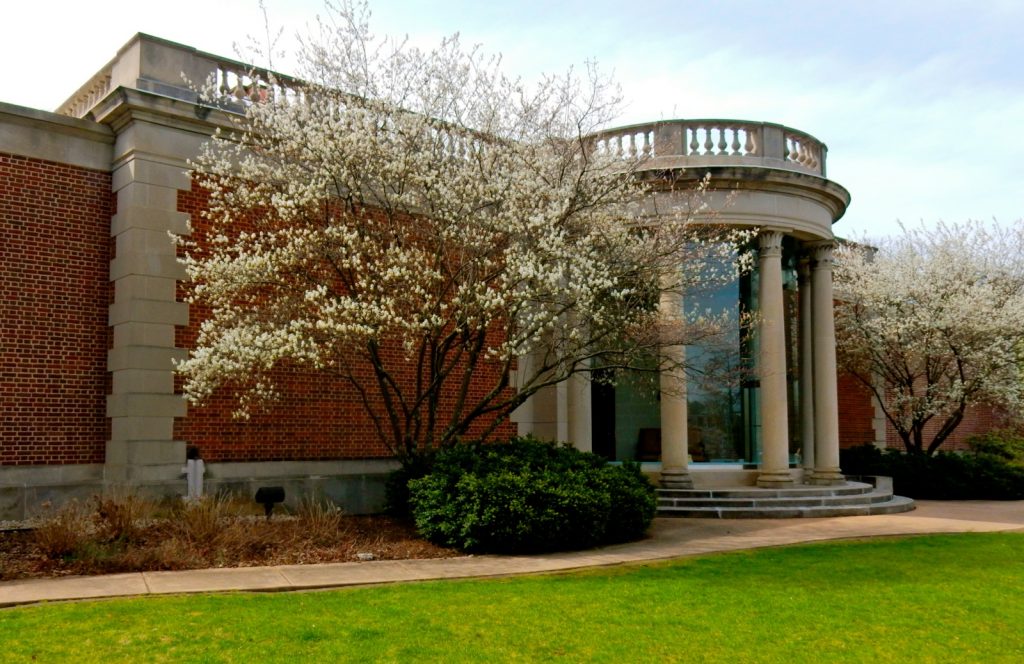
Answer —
926 599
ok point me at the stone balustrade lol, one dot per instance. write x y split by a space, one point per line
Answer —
173 70
244 84
713 142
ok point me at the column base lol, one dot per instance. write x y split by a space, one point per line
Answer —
676 479
775 480
830 477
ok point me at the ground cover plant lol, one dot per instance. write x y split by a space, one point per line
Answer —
851 601
527 495
126 533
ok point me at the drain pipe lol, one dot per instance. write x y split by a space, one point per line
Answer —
194 470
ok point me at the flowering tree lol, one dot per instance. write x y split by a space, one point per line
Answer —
931 322
416 223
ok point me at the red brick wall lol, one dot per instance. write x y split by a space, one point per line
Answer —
856 412
54 267
318 416
977 420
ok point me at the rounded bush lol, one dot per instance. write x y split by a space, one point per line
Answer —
529 496
945 476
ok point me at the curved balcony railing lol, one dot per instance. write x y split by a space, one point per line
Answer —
156 65
714 142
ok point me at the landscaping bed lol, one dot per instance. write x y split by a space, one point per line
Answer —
104 536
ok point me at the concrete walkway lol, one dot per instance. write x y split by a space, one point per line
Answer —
670 538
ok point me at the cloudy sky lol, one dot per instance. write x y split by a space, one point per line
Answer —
921 103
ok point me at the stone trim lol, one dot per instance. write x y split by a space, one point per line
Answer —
28 132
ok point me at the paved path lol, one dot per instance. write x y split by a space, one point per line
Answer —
670 538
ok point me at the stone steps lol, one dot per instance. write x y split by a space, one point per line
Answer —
850 499
813 501
801 490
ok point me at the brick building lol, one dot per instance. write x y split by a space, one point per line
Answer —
92 314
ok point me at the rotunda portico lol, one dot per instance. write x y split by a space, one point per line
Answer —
776 425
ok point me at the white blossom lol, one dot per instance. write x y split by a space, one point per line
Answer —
425 201
932 320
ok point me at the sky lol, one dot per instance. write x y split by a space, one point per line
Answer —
921 103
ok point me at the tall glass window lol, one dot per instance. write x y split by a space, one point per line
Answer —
723 392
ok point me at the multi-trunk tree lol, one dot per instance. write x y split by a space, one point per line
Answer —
932 322
418 224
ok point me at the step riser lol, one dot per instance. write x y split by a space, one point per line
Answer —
894 505
865 499
801 491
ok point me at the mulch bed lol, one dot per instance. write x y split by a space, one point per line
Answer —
241 542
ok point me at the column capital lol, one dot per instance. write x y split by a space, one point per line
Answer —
771 243
803 268
821 255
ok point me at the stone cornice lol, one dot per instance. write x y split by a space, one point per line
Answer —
36 134
124 105
753 178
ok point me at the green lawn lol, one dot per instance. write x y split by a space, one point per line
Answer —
926 599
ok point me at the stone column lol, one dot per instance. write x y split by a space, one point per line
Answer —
538 415
826 401
806 366
675 472
562 411
772 366
579 410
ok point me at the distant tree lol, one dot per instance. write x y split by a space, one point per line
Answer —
405 219
932 321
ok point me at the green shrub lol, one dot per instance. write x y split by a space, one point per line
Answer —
1004 444
527 496
633 502
863 460
945 476
396 487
